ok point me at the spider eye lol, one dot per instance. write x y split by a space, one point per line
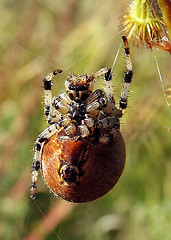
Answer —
78 87
72 87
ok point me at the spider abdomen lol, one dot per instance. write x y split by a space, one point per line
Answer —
83 170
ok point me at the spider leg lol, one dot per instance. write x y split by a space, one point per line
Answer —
98 101
100 73
107 72
127 78
51 114
110 108
62 103
38 146
98 108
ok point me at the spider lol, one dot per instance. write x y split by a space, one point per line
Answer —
82 152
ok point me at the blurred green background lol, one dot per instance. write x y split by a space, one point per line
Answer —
80 36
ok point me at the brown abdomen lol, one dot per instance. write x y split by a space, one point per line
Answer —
100 166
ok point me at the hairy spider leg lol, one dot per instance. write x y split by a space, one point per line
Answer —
107 72
127 78
51 114
108 92
38 146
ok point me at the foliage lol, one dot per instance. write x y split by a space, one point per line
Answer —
149 21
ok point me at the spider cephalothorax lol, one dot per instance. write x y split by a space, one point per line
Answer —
82 152
79 87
